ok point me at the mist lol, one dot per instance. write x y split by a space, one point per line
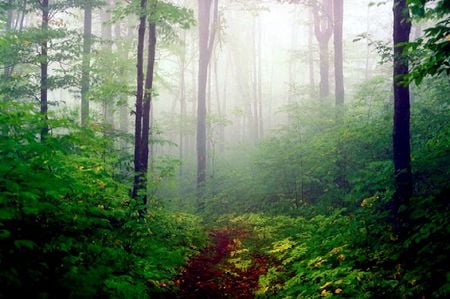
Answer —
224 148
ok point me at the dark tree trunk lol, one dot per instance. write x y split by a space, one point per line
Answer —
338 11
86 63
44 69
206 41
323 28
138 167
401 132
146 116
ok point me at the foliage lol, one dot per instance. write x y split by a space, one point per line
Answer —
430 53
68 228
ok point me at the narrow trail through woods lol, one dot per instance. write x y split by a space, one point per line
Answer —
216 272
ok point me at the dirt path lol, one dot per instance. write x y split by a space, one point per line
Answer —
222 270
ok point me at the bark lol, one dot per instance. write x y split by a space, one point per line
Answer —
7 68
138 167
341 157
106 30
255 125
123 108
260 108
311 51
86 63
44 69
146 116
182 95
401 130
338 11
323 28
206 41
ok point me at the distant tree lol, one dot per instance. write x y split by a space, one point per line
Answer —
401 130
323 29
86 62
44 66
206 44
338 16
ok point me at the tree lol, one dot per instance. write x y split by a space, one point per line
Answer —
338 15
86 63
323 28
139 178
206 43
401 130
44 68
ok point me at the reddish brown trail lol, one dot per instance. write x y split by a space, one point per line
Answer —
210 274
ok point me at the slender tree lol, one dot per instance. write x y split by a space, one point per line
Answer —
106 31
44 67
323 28
86 62
138 167
206 42
338 15
401 130
311 49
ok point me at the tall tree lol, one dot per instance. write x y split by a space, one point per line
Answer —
338 16
311 50
206 43
323 28
138 167
44 67
401 130
86 62
106 30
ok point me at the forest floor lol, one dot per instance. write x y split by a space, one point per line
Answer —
223 269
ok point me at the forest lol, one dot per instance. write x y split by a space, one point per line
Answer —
224 149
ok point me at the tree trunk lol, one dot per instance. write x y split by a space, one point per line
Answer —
86 63
338 10
138 167
341 158
123 54
44 69
106 29
323 27
146 116
260 108
182 94
206 41
401 132
311 50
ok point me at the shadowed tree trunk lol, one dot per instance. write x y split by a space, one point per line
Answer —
206 42
44 69
138 167
401 132
86 63
323 28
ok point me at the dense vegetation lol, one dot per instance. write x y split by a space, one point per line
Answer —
303 211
